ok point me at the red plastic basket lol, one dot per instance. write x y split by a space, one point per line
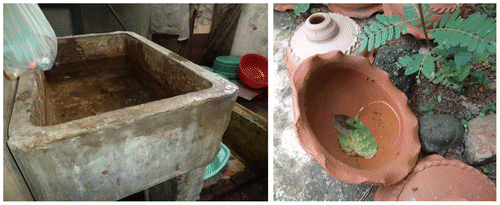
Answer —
253 70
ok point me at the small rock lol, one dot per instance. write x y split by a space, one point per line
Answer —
492 84
386 59
438 133
480 143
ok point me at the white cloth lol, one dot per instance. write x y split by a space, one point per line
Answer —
170 19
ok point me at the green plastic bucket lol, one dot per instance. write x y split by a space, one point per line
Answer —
219 162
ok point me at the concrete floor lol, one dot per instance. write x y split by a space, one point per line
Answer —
298 176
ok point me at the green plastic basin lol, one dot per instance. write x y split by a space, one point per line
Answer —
219 162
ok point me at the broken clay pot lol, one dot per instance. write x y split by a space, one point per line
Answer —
438 179
325 85
439 11
283 7
359 11
322 33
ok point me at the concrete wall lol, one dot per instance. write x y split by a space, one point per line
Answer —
14 186
97 18
251 33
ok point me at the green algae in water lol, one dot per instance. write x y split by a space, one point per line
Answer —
355 138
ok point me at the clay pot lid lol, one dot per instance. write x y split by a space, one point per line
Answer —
329 84
322 33
359 11
439 12
438 179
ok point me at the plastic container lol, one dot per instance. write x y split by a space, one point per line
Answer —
253 70
226 64
219 162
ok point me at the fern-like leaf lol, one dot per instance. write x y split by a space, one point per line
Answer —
475 33
419 62
377 34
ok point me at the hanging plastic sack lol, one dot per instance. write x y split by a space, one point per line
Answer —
29 40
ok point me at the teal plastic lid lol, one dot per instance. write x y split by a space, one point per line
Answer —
219 162
228 60
226 64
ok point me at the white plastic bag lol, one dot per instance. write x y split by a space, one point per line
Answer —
29 40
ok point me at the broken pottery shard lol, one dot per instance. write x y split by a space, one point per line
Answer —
354 138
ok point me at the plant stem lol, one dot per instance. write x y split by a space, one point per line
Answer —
422 21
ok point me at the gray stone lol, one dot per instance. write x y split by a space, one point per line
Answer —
386 59
480 142
438 133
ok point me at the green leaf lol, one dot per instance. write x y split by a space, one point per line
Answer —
378 40
490 34
481 45
370 43
462 58
462 72
426 91
479 57
390 33
444 19
492 47
452 18
438 79
439 98
303 7
479 77
368 31
405 61
486 170
472 45
384 19
403 28
397 31
296 10
428 16
315 10
428 107
435 24
396 17
360 36
414 64
427 66
363 45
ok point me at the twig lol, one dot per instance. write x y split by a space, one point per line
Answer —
366 193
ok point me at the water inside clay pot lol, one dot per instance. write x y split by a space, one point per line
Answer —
378 114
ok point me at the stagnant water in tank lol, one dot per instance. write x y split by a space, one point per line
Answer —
82 89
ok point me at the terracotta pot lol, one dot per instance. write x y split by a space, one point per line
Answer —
437 179
439 11
322 33
359 11
333 83
283 7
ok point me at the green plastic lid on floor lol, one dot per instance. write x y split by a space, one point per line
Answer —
219 162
